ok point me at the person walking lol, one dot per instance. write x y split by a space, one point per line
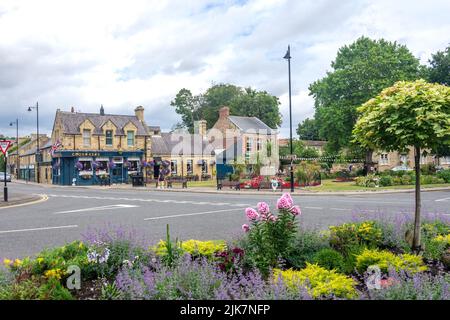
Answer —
161 180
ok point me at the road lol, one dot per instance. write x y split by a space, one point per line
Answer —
70 211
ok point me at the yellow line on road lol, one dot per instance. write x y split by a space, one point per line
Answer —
43 198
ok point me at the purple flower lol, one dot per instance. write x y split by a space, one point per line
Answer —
79 165
252 214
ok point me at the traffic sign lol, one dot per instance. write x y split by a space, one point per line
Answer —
4 146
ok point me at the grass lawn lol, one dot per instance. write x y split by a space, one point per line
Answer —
208 183
330 186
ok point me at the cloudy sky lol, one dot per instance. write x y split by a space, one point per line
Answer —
127 53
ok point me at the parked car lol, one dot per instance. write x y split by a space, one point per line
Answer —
401 168
2 177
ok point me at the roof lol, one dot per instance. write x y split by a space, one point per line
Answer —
71 122
173 143
249 123
314 143
154 128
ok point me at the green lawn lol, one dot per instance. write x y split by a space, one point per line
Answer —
330 186
208 183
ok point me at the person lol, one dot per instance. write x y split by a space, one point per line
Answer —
161 180
274 183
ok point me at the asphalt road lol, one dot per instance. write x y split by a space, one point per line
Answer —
70 211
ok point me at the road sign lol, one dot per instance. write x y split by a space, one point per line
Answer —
4 146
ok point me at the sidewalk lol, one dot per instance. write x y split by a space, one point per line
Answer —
226 190
15 199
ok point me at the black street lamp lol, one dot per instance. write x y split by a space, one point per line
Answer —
17 143
38 159
287 56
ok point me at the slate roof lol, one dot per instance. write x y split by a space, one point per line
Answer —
71 122
249 123
167 142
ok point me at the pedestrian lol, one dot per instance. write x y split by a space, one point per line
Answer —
161 180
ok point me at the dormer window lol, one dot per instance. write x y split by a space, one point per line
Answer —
109 138
86 137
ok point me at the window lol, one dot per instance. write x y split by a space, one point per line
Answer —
384 158
130 138
258 144
204 166
86 137
403 159
248 148
445 160
189 166
423 159
173 167
109 137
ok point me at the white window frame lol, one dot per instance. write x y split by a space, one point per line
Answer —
128 138
189 163
106 138
384 158
86 137
174 165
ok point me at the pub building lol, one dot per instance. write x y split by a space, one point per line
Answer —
98 148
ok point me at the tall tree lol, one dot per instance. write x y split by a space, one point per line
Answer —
439 70
242 102
258 104
308 130
407 114
360 72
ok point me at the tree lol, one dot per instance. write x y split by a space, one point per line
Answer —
258 104
439 71
308 130
242 102
360 72
407 114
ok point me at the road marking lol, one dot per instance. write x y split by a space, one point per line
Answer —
43 198
148 200
441 200
341 209
314 208
102 208
39 229
191 214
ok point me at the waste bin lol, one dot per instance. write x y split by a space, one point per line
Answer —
137 180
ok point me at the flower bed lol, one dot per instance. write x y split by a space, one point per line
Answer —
274 259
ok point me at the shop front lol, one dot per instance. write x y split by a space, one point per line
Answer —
95 167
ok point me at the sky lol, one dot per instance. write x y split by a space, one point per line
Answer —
122 54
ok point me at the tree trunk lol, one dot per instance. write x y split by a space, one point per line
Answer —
416 239
368 162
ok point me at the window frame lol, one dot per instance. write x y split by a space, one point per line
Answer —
111 137
128 138
85 138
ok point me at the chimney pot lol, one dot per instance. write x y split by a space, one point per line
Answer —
139 112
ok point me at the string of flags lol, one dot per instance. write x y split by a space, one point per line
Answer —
324 159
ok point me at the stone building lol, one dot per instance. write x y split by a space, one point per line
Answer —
389 160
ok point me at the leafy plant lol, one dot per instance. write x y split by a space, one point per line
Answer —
365 233
329 259
305 245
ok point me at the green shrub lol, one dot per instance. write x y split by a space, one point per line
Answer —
353 234
428 169
369 181
386 259
406 180
306 244
330 259
321 283
444 175
386 181
431 180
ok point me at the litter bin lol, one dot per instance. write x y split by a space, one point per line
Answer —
137 180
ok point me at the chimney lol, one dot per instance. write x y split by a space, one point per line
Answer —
200 127
139 112
224 112
72 109
102 111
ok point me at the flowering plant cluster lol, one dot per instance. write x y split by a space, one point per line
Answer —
229 260
270 236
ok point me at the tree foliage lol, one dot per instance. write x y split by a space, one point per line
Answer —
242 102
439 71
360 72
308 130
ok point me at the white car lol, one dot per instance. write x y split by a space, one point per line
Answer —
401 168
2 177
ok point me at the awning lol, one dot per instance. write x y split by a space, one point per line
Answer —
101 159
85 159
134 159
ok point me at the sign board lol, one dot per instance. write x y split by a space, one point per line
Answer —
4 146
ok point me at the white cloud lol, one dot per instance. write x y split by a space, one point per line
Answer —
123 54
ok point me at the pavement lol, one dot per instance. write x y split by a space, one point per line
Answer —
16 199
68 213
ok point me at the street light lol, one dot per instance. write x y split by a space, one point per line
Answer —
287 56
17 143
37 140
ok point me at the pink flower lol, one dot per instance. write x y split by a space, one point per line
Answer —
283 203
252 214
245 228
273 218
263 208
288 197
295 210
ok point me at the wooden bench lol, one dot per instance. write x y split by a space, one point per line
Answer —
268 185
183 182
236 185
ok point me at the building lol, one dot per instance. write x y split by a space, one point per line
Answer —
96 146
389 160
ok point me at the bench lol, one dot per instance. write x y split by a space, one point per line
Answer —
236 185
183 182
268 185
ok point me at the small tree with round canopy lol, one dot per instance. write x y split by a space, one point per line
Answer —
408 114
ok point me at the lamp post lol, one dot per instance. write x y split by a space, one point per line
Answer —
17 143
37 141
287 56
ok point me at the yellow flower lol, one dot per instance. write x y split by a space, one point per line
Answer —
17 263
54 273
39 260
81 245
7 262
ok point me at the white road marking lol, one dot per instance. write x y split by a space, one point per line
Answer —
39 229
191 214
110 207
341 209
314 208
441 200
